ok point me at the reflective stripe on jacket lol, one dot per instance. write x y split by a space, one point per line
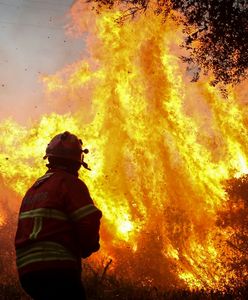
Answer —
58 224
42 251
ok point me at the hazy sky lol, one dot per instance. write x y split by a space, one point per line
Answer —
32 42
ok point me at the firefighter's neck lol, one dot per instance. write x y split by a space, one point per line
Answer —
64 168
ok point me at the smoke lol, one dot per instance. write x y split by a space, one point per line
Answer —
33 43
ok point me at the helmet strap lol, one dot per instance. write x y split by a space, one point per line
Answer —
85 166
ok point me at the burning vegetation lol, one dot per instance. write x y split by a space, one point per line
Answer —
235 217
167 155
215 32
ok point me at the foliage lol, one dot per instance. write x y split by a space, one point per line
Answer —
216 32
103 286
110 288
234 217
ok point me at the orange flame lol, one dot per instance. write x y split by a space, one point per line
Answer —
160 150
1 220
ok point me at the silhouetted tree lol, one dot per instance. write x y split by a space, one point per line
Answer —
235 217
216 32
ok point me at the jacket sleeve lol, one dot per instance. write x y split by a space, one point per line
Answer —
85 217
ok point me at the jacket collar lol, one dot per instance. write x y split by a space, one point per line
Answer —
62 168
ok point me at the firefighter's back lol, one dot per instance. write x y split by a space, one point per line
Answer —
58 225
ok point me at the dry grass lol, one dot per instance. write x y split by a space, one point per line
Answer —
102 286
110 289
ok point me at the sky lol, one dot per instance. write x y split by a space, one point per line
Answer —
32 42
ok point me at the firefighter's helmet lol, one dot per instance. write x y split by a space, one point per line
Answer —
68 146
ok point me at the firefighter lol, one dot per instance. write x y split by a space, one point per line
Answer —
58 225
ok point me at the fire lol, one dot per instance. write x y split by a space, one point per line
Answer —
160 149
1 220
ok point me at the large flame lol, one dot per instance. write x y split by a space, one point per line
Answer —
160 148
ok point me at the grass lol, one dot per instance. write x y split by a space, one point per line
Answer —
101 286
109 288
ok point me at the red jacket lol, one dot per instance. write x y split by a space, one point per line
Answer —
58 224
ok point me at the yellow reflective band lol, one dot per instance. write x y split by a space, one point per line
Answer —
47 175
83 212
42 251
38 258
45 213
40 246
42 179
37 228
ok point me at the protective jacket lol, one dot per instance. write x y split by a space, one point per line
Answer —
58 224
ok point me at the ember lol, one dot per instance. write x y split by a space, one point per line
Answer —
160 149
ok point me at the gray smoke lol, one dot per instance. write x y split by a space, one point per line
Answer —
32 43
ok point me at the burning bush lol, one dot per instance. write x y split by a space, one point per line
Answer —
234 217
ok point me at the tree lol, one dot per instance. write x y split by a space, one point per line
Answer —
234 217
216 32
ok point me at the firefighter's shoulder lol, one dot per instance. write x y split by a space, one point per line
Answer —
73 182
79 203
42 179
